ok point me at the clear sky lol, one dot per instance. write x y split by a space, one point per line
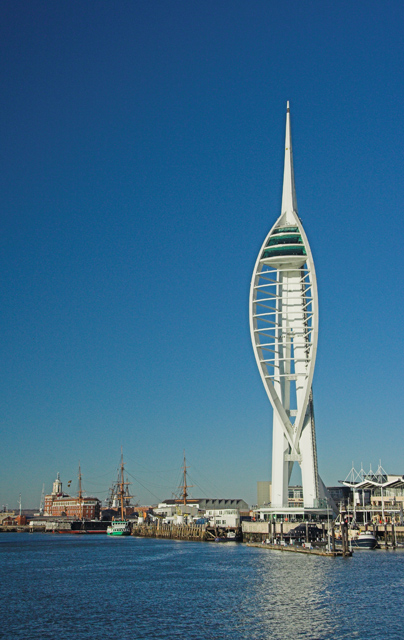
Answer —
141 168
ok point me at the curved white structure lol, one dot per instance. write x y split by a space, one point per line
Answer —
284 330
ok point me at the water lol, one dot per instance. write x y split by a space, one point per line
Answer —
82 587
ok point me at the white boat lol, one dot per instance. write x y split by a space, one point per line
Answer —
119 528
365 540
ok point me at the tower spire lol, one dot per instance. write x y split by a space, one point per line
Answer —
289 204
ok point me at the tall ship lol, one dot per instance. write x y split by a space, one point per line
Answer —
121 527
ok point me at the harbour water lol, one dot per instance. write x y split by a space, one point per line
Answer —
81 587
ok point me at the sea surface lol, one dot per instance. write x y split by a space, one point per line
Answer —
55 586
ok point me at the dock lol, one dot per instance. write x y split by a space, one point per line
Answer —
314 551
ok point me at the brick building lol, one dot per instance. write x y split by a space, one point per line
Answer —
58 503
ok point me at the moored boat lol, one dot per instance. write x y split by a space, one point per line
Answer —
365 540
81 526
230 536
119 528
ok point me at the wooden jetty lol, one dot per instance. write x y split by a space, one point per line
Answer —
196 532
171 531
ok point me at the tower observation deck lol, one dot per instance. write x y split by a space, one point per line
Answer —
283 313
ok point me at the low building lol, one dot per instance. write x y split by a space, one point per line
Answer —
224 512
170 508
7 518
10 519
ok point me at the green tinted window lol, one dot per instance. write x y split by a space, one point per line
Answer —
289 239
284 251
285 230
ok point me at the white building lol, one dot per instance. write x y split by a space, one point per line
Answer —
224 512
220 512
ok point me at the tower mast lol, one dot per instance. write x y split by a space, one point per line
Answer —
284 333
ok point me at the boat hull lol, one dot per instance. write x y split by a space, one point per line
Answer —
364 542
78 527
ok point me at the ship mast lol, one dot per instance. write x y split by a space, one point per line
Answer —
185 486
80 495
122 486
121 491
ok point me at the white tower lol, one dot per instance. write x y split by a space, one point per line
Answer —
284 329
57 486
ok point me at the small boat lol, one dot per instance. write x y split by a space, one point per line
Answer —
365 540
231 536
119 528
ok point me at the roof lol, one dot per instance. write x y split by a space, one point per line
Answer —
368 483
212 503
66 498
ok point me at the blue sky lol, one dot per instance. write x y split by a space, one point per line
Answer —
141 168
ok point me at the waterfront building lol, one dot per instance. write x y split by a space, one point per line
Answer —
376 497
220 511
224 513
59 503
174 507
283 313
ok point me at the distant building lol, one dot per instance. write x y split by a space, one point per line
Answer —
59 503
9 519
263 492
340 495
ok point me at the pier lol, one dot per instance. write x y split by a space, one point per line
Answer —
314 551
389 536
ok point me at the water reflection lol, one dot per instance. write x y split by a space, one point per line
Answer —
297 596
65 587
292 594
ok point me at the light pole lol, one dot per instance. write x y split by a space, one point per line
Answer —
328 527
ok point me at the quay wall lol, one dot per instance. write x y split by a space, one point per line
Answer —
173 531
14 528
260 530
387 535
